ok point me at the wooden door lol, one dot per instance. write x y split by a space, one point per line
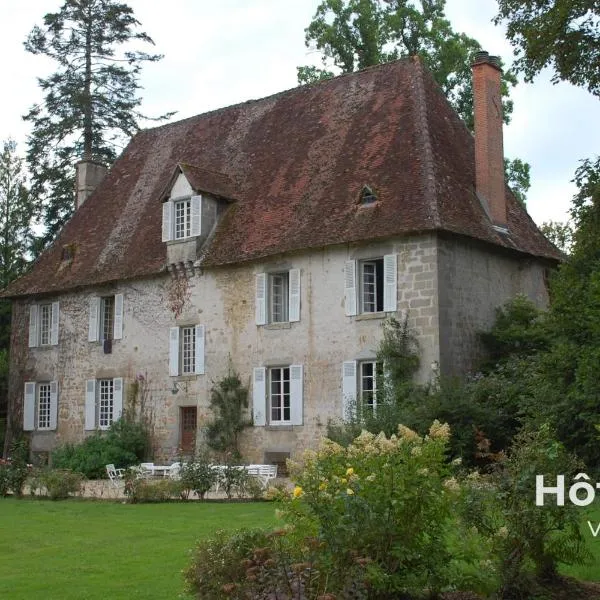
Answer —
187 431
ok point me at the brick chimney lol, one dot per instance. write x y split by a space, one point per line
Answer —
489 151
88 174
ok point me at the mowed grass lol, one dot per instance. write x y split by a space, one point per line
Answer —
85 550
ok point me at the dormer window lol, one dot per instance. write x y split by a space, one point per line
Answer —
367 195
183 218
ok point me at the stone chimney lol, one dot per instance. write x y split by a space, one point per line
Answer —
489 151
88 174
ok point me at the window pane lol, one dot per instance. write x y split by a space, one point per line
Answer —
369 287
106 403
188 350
369 371
183 219
45 317
278 297
107 316
280 394
43 406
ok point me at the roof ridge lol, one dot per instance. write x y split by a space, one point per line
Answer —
428 171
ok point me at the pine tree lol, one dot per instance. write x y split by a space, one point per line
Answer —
90 103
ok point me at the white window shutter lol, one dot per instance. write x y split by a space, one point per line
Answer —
90 404
117 398
53 404
350 287
174 351
33 322
348 388
261 299
296 396
294 296
29 406
55 317
167 227
94 319
390 286
118 324
196 225
259 396
199 367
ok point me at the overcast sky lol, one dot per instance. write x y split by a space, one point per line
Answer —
221 53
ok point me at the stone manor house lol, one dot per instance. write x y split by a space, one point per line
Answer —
273 237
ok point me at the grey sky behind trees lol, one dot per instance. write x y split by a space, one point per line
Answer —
218 54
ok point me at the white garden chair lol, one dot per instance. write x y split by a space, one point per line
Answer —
115 475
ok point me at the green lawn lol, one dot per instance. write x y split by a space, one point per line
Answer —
590 572
84 550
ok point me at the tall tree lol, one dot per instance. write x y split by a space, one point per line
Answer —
563 34
16 213
354 34
90 103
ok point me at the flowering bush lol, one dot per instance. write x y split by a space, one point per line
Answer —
382 504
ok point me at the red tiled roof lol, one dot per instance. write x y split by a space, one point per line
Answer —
295 164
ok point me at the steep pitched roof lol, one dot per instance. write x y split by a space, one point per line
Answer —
295 164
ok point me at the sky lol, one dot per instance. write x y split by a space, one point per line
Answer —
221 53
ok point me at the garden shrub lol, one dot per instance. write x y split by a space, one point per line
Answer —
14 473
57 484
233 479
198 476
123 445
140 491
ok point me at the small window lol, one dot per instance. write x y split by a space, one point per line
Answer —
279 297
45 316
370 375
367 195
279 395
43 406
371 285
107 317
188 350
106 403
183 219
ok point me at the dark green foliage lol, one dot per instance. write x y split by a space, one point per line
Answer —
562 34
91 102
560 233
198 475
228 400
124 444
56 484
399 352
15 471
517 174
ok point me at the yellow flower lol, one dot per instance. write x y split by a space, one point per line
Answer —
343 480
297 492
349 471
323 486
350 491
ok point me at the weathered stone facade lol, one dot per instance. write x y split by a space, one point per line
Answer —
449 289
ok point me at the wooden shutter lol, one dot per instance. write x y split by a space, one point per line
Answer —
94 319
259 396
261 299
90 404
348 388
390 286
350 287
167 221
118 324
296 396
294 296
199 366
174 351
55 316
196 224
53 404
33 323
29 406
117 398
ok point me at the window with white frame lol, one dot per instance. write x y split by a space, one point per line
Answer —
370 285
278 297
43 324
105 318
181 218
40 406
277 395
186 350
361 381
103 402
